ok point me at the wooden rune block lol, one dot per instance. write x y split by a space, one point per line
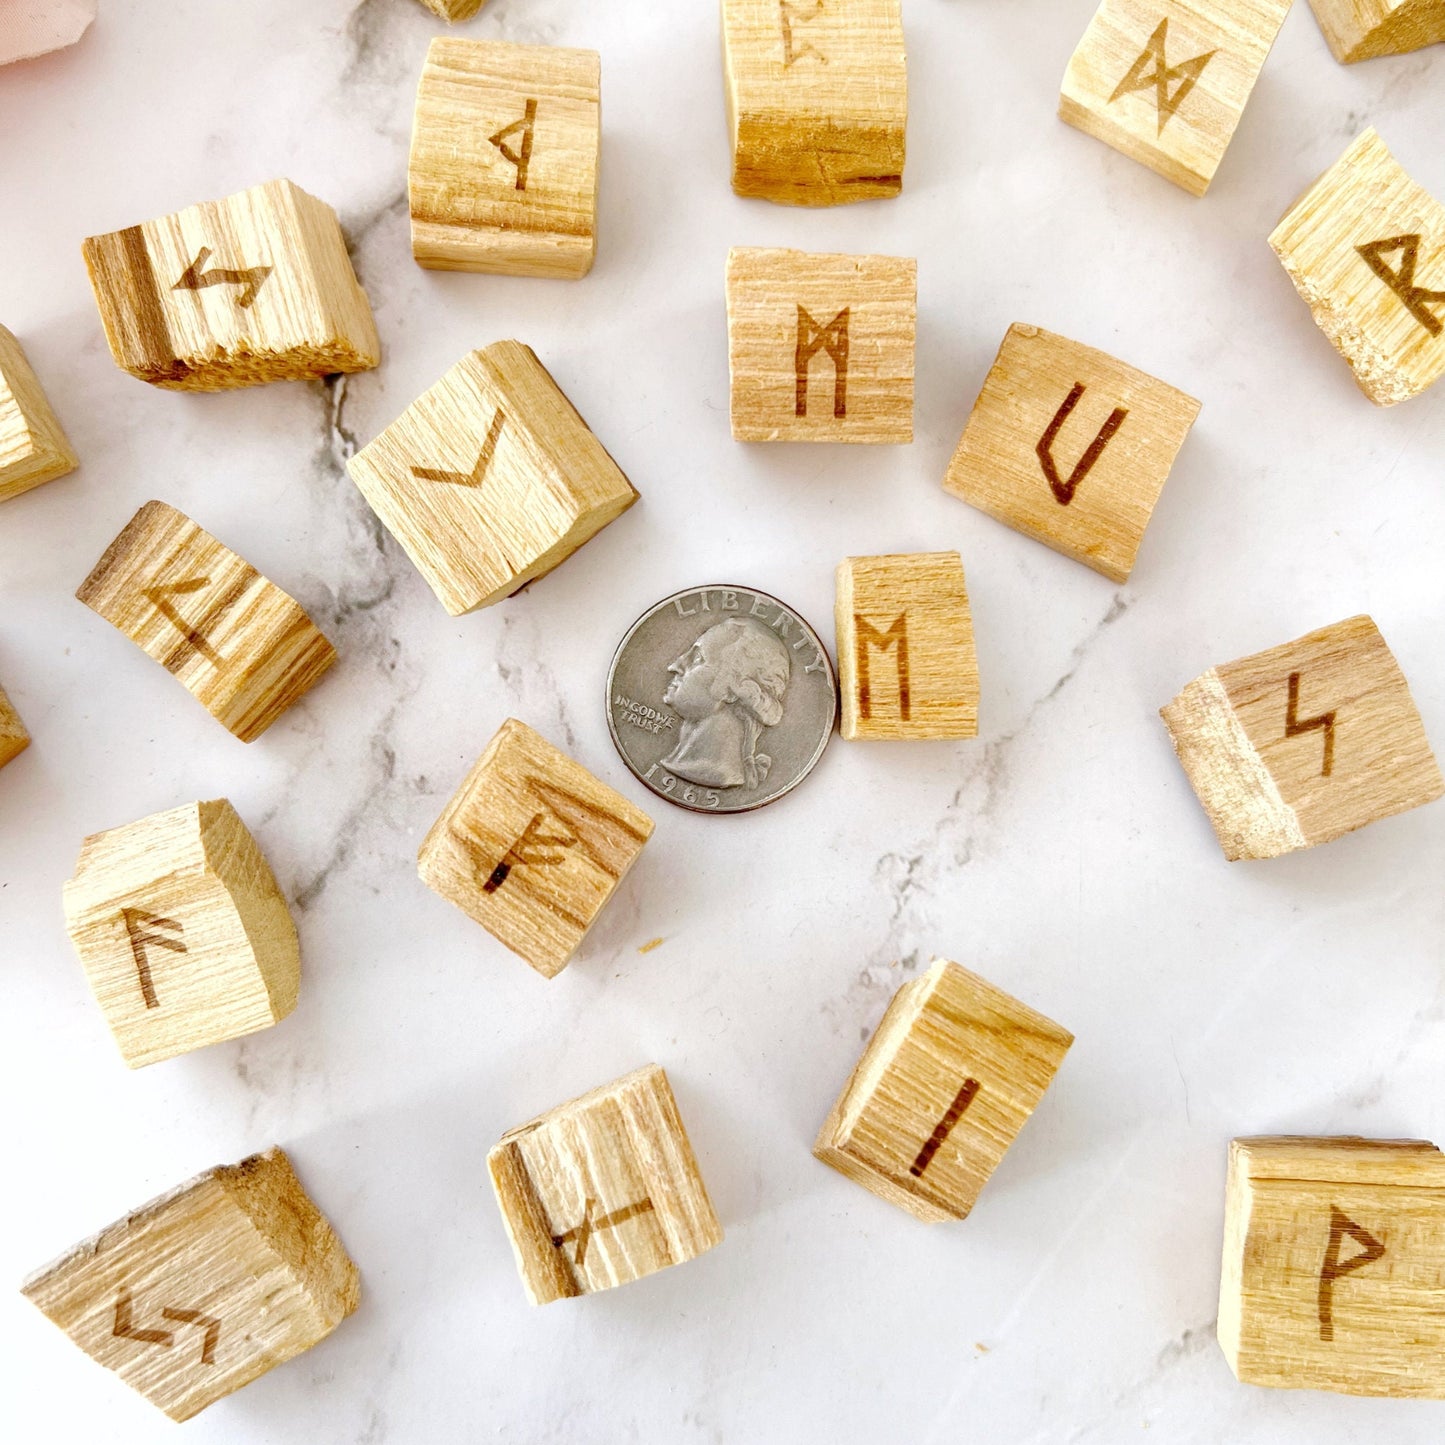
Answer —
1365 248
504 155
817 94
454 9
1334 1253
907 666
1363 29
820 348
602 1190
206 1288
532 846
253 288
13 737
33 448
1165 82
244 648
1071 447
1305 742
947 1081
491 478
183 934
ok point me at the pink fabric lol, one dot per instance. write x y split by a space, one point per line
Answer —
36 27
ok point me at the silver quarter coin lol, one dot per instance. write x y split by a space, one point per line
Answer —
721 699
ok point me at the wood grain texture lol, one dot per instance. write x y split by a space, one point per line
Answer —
1364 29
1304 742
817 95
33 447
1071 447
490 478
184 936
208 1287
13 737
948 1079
237 642
602 1190
454 9
505 150
1165 82
532 846
254 288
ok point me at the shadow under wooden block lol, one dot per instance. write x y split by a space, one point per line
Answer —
1303 743
202 1290
1363 29
33 447
13 737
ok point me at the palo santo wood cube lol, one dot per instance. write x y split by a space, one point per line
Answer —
183 934
907 666
817 99
206 1288
33 448
1334 1252
602 1190
1165 82
238 643
532 846
1071 447
947 1081
504 155
491 478
13 737
820 348
1365 248
253 288
1305 742
1363 29
454 9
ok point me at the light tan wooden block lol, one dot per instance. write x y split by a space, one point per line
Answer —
1302 743
33 448
1363 29
1365 248
1334 1266
1071 447
183 934
1165 82
505 148
206 1288
491 478
907 666
817 94
454 9
602 1190
947 1081
244 648
256 287
820 348
532 846
13 737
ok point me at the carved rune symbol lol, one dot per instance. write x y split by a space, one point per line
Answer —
160 596
1335 1268
139 926
533 849
520 158
1064 490
1152 70
793 52
582 1233
956 1111
124 1328
1417 299
832 338
1325 722
865 635
474 477
250 280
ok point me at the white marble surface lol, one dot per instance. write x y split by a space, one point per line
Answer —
1062 854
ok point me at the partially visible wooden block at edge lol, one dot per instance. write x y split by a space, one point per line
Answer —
33 448
1305 742
1363 29
184 936
13 737
817 94
947 1081
1165 82
532 846
202 1290
602 1190
490 478
454 9
1334 1257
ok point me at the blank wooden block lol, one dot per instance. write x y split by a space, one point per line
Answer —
13 737
253 288
820 348
950 1077
490 478
183 934
1334 1257
1070 446
244 648
1166 83
504 155
33 448
454 9
817 99
1363 29
532 846
1365 248
907 666
603 1190
1304 742
204 1289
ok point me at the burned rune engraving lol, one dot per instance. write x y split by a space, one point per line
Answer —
1064 490
893 637
124 1327
160 596
1401 280
812 338
141 927
1153 71
1325 723
474 477
791 16
956 1111
250 280
581 1235
1335 1268
534 849
522 157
